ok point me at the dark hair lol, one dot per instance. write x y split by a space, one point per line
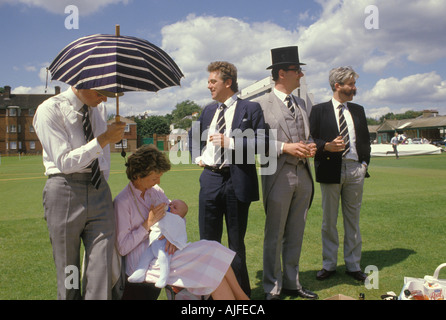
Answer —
145 160
227 71
275 70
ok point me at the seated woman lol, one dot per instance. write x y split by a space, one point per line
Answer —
203 267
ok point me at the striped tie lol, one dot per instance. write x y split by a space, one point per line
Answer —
290 106
343 130
88 132
221 126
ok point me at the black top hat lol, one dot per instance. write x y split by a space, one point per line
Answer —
285 56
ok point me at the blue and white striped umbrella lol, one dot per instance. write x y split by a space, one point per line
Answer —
115 64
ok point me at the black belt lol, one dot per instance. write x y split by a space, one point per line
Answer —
223 170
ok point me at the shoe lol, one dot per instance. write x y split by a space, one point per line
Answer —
357 275
324 274
303 293
270 296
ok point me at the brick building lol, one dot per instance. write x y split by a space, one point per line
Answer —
130 141
16 122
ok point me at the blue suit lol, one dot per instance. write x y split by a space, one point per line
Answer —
229 192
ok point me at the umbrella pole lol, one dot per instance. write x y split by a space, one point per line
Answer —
118 117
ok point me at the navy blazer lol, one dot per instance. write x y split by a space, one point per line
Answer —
247 115
324 128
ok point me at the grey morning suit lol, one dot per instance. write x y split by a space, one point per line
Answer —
287 196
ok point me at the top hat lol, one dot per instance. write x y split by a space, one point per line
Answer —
285 56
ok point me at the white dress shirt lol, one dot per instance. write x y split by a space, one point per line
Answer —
207 156
352 154
58 124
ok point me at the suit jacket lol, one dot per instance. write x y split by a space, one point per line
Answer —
324 128
275 119
247 115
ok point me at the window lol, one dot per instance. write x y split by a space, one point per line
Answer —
13 128
31 128
32 145
13 145
124 143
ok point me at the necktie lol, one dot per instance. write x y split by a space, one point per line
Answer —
290 105
221 126
343 130
88 132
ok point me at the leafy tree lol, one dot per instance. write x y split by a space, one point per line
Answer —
152 125
371 121
182 110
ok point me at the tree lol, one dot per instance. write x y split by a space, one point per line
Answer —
371 121
182 110
152 125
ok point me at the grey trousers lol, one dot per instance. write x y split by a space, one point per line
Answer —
75 211
286 213
349 192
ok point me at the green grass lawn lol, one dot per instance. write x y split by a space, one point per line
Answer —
402 222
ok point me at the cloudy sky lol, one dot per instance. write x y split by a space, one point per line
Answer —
398 46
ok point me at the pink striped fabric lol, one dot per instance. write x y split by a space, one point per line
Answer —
199 267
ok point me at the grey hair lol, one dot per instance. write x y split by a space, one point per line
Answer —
340 75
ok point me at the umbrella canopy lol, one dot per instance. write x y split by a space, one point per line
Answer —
116 64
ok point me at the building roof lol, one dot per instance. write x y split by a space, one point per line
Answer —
26 101
418 123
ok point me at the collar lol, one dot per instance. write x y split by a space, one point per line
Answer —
281 95
229 103
336 104
74 100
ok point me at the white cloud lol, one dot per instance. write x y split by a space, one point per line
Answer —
338 37
412 90
198 40
28 90
85 7
376 113
407 29
399 57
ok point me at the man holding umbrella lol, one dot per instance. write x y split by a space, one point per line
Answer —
72 128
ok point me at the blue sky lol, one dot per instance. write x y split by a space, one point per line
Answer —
402 64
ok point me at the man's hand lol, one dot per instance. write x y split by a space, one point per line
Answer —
337 145
219 139
300 149
114 134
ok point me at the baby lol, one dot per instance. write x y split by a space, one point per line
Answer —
173 227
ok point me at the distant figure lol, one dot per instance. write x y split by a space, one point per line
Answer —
394 143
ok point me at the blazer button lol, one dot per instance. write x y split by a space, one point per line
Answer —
328 158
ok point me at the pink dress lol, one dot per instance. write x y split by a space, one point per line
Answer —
200 267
